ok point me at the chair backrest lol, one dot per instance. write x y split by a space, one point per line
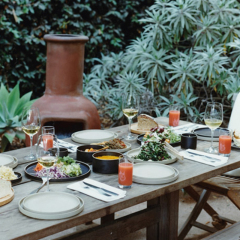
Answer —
234 123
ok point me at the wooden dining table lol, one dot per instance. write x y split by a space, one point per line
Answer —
160 217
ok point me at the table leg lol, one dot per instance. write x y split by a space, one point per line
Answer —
167 228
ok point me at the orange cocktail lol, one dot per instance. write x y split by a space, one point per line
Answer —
174 116
225 142
47 141
125 174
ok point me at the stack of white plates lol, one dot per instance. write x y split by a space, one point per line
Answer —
134 152
154 173
8 161
93 136
51 205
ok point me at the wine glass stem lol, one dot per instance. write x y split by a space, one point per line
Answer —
47 179
212 131
129 126
31 145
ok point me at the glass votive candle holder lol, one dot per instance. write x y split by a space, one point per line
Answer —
174 115
125 173
225 142
189 141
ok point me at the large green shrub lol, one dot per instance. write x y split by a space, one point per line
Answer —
109 24
188 53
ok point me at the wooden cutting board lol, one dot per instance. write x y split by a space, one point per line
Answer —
7 199
134 129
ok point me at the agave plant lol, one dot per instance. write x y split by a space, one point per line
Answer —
11 108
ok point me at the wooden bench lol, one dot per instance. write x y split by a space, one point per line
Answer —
230 233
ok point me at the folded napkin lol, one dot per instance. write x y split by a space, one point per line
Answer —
187 128
71 147
63 144
189 154
81 187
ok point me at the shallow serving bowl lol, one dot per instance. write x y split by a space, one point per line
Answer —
104 165
86 156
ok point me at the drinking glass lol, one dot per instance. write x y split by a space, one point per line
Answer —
225 142
31 123
48 130
130 108
125 173
174 115
46 157
213 118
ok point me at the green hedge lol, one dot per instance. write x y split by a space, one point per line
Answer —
109 24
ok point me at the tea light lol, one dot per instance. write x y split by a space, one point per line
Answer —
189 140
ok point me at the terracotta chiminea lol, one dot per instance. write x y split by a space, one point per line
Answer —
63 104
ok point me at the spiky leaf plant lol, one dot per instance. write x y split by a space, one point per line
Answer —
11 108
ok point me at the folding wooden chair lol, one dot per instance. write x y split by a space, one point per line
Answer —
227 186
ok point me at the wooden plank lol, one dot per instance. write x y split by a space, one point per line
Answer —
120 227
168 226
230 233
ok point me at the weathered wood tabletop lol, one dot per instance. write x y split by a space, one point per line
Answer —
160 217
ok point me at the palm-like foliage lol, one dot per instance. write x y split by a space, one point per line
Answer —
154 65
157 27
236 51
183 72
208 31
222 9
211 63
232 85
130 83
183 17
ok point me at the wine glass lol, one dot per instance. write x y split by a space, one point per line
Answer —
31 123
213 118
47 154
130 108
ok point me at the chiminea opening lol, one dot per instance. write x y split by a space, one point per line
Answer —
63 103
65 129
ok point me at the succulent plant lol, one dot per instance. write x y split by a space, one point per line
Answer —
11 108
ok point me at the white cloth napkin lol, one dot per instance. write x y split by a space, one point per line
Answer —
187 128
71 147
202 159
80 186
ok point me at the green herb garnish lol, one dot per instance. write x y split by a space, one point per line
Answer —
66 160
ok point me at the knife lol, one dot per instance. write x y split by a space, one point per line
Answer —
200 155
101 188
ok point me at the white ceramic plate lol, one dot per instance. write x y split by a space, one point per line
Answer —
51 202
6 160
154 173
51 216
121 150
134 152
14 164
93 136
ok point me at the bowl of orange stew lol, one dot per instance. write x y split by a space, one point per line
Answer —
106 162
85 152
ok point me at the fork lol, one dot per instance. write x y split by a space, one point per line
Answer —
206 157
44 179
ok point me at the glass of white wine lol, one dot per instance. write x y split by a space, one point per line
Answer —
130 108
47 157
31 123
213 118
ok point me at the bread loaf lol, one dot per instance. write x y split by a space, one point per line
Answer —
146 122
5 188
